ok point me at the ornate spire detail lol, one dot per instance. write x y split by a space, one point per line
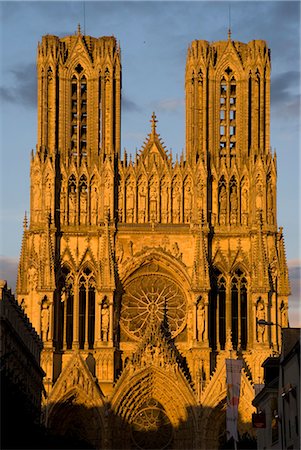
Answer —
200 266
48 276
23 259
107 262
154 124
261 264
158 349
284 279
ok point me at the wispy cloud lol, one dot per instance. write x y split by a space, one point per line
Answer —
169 105
8 270
23 87
128 105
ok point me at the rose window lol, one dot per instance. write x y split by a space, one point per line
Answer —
154 297
151 428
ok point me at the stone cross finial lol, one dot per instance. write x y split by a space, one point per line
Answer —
78 29
153 122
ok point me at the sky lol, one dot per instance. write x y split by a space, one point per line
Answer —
154 37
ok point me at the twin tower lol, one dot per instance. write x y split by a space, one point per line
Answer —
143 274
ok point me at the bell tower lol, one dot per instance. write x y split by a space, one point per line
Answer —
227 99
66 277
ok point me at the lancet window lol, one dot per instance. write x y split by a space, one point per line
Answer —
86 309
65 310
229 310
218 312
227 116
239 307
79 113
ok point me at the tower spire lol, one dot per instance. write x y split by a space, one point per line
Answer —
229 29
154 123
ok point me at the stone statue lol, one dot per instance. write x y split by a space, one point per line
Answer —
105 321
201 321
83 205
260 315
142 203
187 203
234 204
259 195
222 205
72 205
94 206
44 321
176 202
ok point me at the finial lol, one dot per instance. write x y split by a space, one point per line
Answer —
153 122
229 29
25 221
78 29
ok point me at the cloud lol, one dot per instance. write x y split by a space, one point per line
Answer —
169 105
23 89
128 105
9 270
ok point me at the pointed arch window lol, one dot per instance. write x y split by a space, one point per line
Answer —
86 309
64 310
239 304
217 323
227 114
78 129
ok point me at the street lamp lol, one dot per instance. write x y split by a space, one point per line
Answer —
263 322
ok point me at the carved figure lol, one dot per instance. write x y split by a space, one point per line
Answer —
223 200
260 315
153 201
259 195
270 205
222 205
105 320
187 203
72 205
176 203
142 203
44 321
83 205
94 206
130 202
201 321
234 204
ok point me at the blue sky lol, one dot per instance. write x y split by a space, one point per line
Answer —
154 37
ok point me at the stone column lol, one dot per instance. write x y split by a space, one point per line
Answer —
75 343
97 332
111 310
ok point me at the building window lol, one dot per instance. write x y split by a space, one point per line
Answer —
217 311
239 309
79 113
227 113
86 309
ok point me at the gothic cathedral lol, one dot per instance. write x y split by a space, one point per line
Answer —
142 274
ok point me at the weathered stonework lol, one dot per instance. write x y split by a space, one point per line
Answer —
143 274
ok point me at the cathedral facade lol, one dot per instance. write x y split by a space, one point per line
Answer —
142 274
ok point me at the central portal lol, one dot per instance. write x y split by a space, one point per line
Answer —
151 428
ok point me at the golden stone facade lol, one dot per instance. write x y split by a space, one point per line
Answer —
142 274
